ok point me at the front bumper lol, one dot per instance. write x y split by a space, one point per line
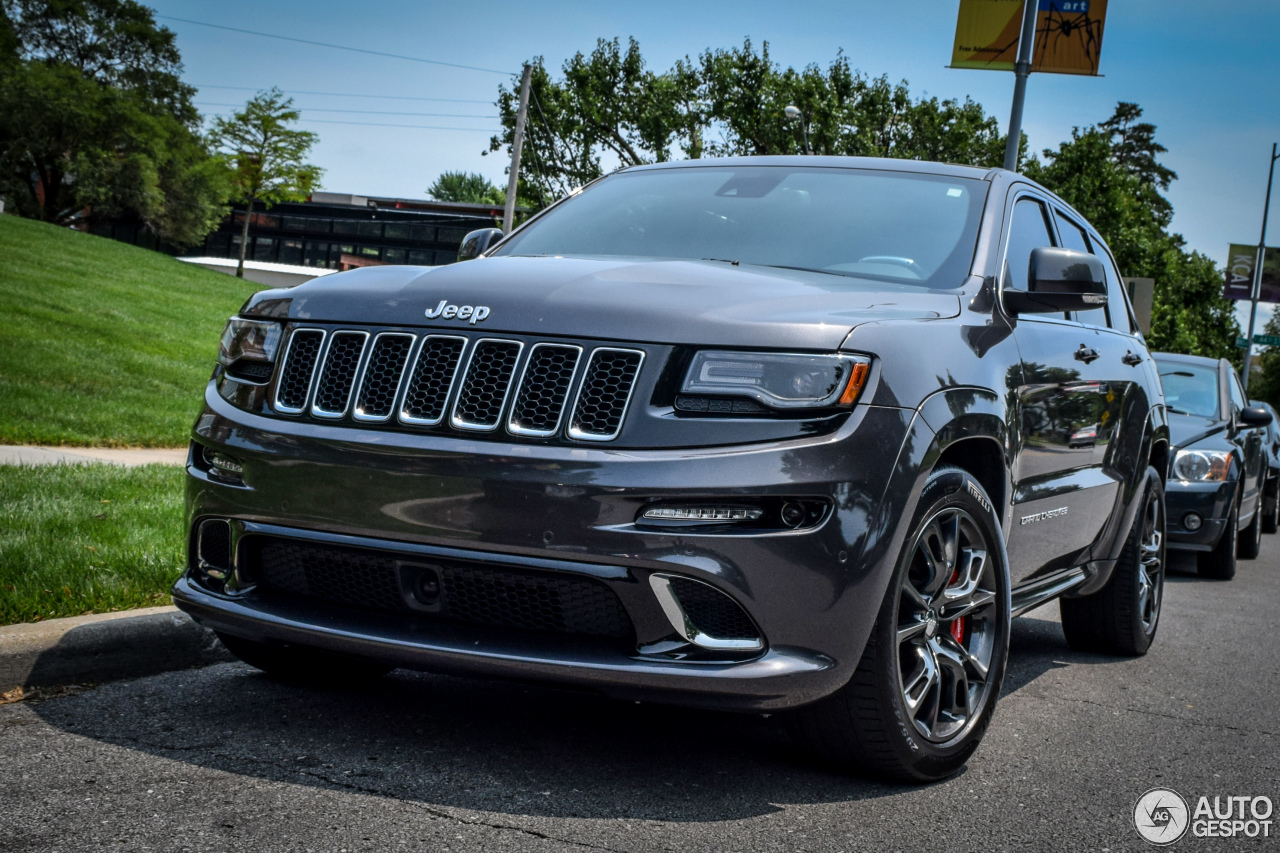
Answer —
1210 501
814 593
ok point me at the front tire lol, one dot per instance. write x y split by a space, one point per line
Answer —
1122 617
1271 501
1220 563
1251 537
926 687
303 664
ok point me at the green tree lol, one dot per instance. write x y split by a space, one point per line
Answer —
1266 385
97 121
1111 174
466 187
268 156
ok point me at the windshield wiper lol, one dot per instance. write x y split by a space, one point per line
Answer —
723 261
1178 411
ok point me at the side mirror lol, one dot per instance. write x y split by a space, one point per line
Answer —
1254 416
1059 280
477 243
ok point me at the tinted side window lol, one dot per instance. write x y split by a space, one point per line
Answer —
1073 237
1027 231
1117 296
1237 393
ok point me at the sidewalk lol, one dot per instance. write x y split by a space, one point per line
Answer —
11 454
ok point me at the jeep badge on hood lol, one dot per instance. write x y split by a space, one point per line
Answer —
458 312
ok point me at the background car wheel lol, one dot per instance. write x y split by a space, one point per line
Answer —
1220 563
1251 537
303 663
1121 618
926 686
1271 517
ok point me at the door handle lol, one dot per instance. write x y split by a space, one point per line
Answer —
1131 358
1086 354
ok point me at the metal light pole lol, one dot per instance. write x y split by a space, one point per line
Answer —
517 142
1256 290
792 112
1021 70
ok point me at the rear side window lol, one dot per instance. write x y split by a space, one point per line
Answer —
1237 393
1073 237
1028 230
1117 296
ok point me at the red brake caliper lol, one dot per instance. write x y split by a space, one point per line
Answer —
958 626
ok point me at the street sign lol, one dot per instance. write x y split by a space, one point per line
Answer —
1068 36
1242 343
1261 340
1239 274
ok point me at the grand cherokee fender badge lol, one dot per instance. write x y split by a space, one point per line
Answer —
474 314
1047 514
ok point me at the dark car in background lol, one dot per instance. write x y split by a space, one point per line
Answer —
1220 463
1271 490
795 435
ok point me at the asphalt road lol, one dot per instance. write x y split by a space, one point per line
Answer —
225 759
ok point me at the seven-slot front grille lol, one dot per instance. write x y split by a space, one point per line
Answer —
539 390
468 592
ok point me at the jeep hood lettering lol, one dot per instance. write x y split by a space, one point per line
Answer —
655 301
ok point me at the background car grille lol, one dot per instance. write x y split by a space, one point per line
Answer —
299 365
339 372
541 390
488 595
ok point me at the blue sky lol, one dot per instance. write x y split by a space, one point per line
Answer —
1206 75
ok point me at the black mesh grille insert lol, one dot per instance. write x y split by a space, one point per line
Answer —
339 372
545 386
510 598
250 371
377 395
432 374
295 376
713 612
484 388
215 543
605 390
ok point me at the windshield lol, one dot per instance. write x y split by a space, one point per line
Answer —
1190 389
892 226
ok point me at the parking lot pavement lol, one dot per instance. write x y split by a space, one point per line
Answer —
222 758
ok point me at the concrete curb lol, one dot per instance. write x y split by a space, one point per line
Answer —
104 646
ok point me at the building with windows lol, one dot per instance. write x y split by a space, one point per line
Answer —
336 231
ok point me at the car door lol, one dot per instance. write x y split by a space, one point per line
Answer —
1250 441
1063 494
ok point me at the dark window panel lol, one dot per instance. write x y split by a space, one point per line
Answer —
425 259
398 231
393 256
423 234
291 252
346 226
370 252
371 229
451 235
264 249
317 254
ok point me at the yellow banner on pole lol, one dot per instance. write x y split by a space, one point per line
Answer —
1068 38
987 34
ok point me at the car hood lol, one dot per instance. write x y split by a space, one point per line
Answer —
1186 430
657 301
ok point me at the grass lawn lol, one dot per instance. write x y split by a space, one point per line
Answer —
87 539
103 343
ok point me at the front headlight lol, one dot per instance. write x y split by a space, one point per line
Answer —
778 380
1202 465
254 340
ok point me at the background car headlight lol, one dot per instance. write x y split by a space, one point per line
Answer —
778 380
1202 465
255 340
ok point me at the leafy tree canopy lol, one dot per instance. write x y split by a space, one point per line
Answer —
468 187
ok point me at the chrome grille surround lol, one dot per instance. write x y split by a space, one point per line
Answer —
374 380
615 417
337 383
471 397
286 381
432 348
554 398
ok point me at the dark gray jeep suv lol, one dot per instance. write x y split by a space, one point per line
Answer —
796 435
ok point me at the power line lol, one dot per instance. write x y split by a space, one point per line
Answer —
417 126
348 94
365 112
334 46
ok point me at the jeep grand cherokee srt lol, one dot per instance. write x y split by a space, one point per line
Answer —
793 434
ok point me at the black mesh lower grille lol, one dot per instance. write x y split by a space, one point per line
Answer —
484 388
300 363
338 373
713 612
544 388
606 388
433 373
214 543
480 594
381 380
251 371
